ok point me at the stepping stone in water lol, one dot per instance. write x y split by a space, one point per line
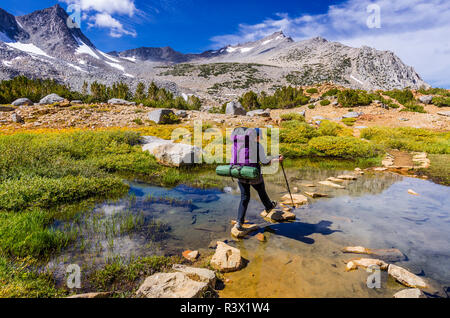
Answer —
316 194
366 262
405 277
347 177
309 185
387 255
412 192
248 228
260 237
331 184
410 293
299 199
278 216
333 179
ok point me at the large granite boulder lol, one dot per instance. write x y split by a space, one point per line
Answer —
426 99
170 153
118 101
162 116
51 99
171 285
22 102
226 258
235 108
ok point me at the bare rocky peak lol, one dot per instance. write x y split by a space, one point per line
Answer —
10 28
154 54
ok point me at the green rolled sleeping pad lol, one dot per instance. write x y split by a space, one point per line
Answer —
238 172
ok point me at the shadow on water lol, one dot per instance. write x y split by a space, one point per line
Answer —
300 231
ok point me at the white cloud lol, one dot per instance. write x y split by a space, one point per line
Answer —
99 13
415 30
104 20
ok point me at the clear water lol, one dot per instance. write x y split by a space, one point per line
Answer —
300 259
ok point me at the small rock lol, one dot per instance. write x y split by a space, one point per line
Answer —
162 116
226 258
444 113
259 112
412 192
118 101
295 189
333 179
316 194
309 185
331 184
51 99
350 266
410 293
356 250
403 119
368 262
235 108
16 118
91 295
260 237
347 177
379 169
405 277
76 102
352 115
427 99
228 189
191 255
22 102
181 113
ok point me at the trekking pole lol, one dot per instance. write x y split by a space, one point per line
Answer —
287 183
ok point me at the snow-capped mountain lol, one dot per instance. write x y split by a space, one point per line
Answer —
41 44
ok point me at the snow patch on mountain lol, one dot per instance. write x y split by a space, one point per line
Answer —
115 65
28 47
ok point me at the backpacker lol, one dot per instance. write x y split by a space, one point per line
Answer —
244 155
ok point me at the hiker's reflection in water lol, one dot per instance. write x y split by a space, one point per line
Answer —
248 152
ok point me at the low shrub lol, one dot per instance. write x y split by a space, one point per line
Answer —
402 96
330 128
312 91
352 97
331 92
349 121
342 147
295 150
292 116
441 101
412 106
325 102
296 132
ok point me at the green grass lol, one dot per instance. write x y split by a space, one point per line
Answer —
439 170
349 121
409 139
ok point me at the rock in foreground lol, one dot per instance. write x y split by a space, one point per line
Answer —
227 258
235 108
410 293
51 99
162 116
171 285
200 274
405 277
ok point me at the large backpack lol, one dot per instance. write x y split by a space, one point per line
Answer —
244 149
244 162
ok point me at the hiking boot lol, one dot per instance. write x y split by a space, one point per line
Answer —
239 227
274 205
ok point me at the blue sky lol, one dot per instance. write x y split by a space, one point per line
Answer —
415 30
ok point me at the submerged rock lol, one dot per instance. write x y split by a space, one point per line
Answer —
331 184
389 255
260 237
405 277
347 177
410 293
367 262
412 192
171 285
226 258
333 179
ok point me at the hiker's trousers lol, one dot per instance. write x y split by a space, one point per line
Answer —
245 198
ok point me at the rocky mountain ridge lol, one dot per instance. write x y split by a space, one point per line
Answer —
41 44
